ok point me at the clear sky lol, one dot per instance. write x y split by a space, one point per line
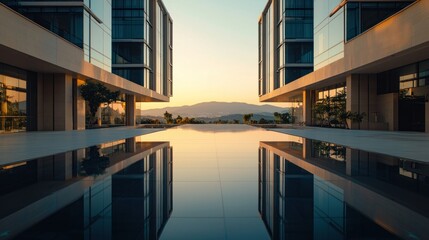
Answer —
215 51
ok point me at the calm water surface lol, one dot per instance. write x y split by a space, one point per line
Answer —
215 182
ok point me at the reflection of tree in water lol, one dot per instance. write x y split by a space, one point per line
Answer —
329 150
94 164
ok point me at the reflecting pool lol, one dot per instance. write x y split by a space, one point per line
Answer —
215 182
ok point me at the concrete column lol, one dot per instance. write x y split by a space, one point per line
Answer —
45 100
427 117
362 98
352 103
306 107
130 110
55 102
79 110
63 106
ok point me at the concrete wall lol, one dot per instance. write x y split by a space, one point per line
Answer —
307 107
79 107
130 112
387 110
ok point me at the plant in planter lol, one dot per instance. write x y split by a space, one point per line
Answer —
96 94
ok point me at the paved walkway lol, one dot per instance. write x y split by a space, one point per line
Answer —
411 145
29 145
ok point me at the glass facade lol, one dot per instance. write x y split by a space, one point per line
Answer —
411 83
362 16
295 49
142 44
13 100
159 31
86 25
131 41
285 43
328 33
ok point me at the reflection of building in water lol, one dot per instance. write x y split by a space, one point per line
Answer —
129 196
285 197
318 190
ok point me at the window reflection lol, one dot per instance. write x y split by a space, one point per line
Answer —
13 104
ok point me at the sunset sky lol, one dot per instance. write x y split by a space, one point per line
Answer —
215 51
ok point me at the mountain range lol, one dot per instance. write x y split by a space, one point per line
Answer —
214 110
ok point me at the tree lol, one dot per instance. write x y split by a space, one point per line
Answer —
179 119
263 121
247 118
168 117
96 94
282 118
331 111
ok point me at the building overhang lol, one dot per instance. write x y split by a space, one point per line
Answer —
25 44
397 41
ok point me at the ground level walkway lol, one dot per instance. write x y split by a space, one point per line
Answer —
17 147
411 145
29 145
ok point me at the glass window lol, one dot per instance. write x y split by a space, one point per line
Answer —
362 16
353 20
66 22
293 73
299 52
133 74
126 53
299 24
424 73
13 103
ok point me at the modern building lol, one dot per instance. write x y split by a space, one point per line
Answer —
143 47
376 52
49 48
285 43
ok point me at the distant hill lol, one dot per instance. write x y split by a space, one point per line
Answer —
239 117
215 110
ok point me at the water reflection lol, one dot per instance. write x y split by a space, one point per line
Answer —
318 190
118 190
227 185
